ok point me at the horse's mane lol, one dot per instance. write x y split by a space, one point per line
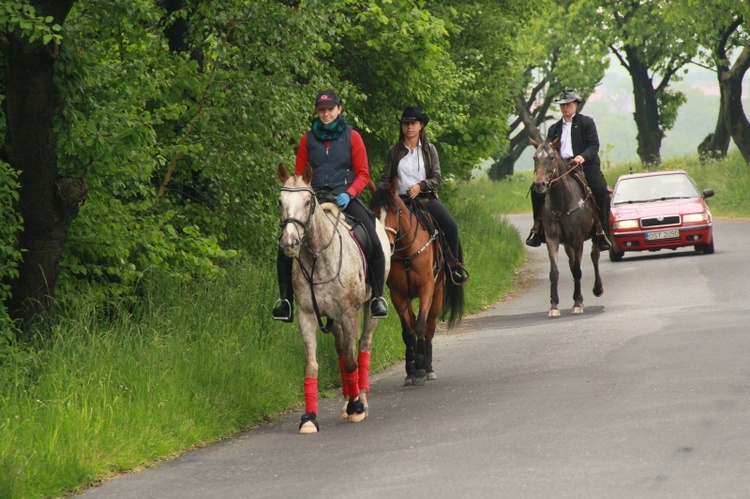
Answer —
382 199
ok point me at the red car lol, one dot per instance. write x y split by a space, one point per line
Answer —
659 210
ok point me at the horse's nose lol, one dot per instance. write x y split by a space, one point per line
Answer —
289 245
538 186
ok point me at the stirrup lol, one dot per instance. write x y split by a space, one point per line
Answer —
458 277
603 242
380 315
535 239
282 310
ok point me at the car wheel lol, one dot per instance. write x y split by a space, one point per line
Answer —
615 256
707 249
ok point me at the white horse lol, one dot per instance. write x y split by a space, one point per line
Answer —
328 279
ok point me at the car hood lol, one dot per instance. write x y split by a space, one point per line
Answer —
655 208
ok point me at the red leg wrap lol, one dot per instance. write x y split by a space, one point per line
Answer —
344 388
311 395
351 381
363 361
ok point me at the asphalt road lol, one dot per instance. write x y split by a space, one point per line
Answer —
647 394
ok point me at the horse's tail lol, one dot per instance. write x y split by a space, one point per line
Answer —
453 302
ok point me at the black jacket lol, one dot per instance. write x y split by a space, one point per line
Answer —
584 137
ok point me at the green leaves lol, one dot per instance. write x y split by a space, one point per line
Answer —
20 19
10 256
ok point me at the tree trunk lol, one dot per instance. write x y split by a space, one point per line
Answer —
731 103
716 144
646 114
47 202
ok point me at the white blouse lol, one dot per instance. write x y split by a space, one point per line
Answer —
411 169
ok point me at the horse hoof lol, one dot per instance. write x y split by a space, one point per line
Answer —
554 313
576 310
409 381
356 418
309 423
431 376
355 410
420 381
308 427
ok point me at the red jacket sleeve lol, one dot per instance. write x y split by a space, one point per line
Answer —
302 156
359 164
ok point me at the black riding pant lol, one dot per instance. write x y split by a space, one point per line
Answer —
445 221
356 209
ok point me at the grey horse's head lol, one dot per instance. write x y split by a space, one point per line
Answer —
547 163
296 208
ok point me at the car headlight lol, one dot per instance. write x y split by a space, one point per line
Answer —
625 224
695 217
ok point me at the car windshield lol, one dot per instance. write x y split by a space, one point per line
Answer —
655 188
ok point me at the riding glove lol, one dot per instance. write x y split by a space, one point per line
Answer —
342 200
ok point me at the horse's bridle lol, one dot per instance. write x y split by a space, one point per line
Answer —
412 229
291 220
310 275
554 178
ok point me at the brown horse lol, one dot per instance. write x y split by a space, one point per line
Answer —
568 219
328 281
418 270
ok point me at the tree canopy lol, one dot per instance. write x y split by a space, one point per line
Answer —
164 120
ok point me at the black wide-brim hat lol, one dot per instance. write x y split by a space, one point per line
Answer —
567 96
412 114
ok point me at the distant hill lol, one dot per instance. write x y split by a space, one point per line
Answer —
612 108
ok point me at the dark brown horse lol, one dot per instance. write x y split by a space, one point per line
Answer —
568 219
418 270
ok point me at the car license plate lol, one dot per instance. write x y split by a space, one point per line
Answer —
662 234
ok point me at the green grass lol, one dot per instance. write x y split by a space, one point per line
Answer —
191 364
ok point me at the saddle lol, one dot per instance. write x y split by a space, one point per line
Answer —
353 225
417 206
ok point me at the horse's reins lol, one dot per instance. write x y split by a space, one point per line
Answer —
309 276
409 258
557 178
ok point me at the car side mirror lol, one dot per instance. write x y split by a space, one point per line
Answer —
707 193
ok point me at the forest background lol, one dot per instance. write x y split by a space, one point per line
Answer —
139 135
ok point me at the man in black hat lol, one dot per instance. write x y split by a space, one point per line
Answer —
579 145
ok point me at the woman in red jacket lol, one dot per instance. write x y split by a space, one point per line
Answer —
338 158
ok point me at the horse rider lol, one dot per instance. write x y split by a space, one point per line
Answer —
414 161
579 145
338 158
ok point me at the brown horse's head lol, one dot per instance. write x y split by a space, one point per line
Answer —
388 208
547 164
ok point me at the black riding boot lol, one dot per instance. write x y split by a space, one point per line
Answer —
378 306
536 236
602 224
283 309
459 274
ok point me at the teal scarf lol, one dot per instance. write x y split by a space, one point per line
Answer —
331 131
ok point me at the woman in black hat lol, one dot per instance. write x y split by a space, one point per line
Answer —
414 161
338 158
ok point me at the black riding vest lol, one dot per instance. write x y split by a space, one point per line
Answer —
332 165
